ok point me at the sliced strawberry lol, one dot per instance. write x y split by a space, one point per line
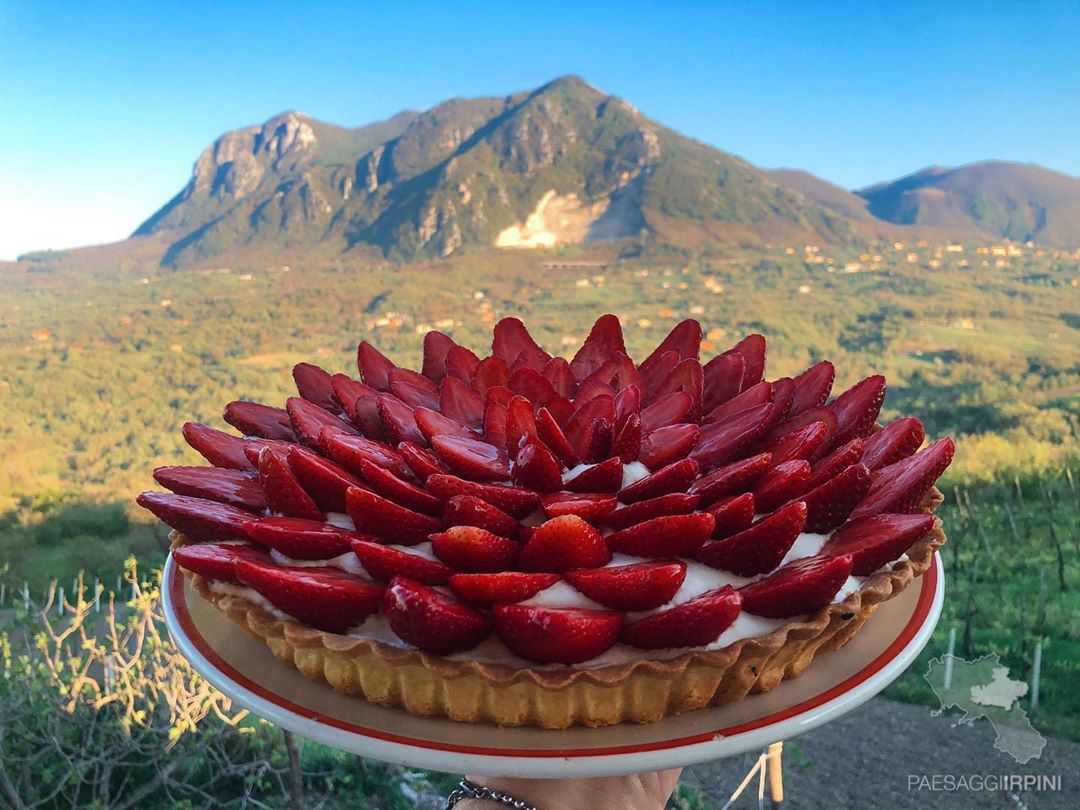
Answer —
605 339
805 418
468 510
386 562
596 445
720 442
361 405
668 444
374 366
780 484
198 518
512 500
217 561
316 386
502 588
495 414
753 396
812 387
254 447
668 536
398 419
431 620
687 378
761 547
323 480
591 507
684 340
627 443
857 409
873 541
722 379
691 624
668 410
520 425
556 635
473 550
601 407
283 491
674 503
783 390
511 338
532 359
897 440
901 487
627 403
459 402
256 419
603 477
239 488
350 451
394 523
801 586
473 459
564 543
404 386
220 449
436 347
829 504
733 514
594 386
652 377
490 372
385 483
801 443
562 409
753 348
301 539
738 476
675 477
562 380
537 469
309 420
552 435
461 363
639 586
835 462
532 385
423 463
432 423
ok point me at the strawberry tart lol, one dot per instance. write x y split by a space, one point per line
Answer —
523 540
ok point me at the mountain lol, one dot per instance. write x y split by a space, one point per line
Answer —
562 164
1018 201
824 193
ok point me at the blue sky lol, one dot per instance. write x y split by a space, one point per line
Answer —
104 107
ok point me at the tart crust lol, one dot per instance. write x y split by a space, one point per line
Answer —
641 691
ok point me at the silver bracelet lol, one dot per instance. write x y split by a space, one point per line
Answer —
471 790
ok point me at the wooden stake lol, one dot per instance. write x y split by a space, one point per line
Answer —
776 774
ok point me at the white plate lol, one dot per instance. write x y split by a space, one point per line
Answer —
245 670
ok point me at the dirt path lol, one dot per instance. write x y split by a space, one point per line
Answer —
863 761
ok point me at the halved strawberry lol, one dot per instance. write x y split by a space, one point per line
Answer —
627 402
780 484
323 480
897 440
901 487
423 463
386 562
674 503
473 550
300 538
537 469
436 347
835 462
468 510
857 409
461 403
801 586
552 435
432 423
323 598
801 443
256 419
684 340
512 500
627 443
556 635
562 544
732 514
308 421
361 405
593 387
532 385
638 586
557 371
691 624
385 483
874 541
219 448
431 620
667 444
721 441
603 477
808 417
217 561
722 379
754 349
753 396
398 419
605 339
668 536
511 338
495 415
283 491
490 372
473 459
253 448
374 366
197 518
829 504
394 523
675 477
415 390
576 428
686 377
315 385
761 547
668 410
504 587
461 363
812 387
598 440
239 488
591 507
738 476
